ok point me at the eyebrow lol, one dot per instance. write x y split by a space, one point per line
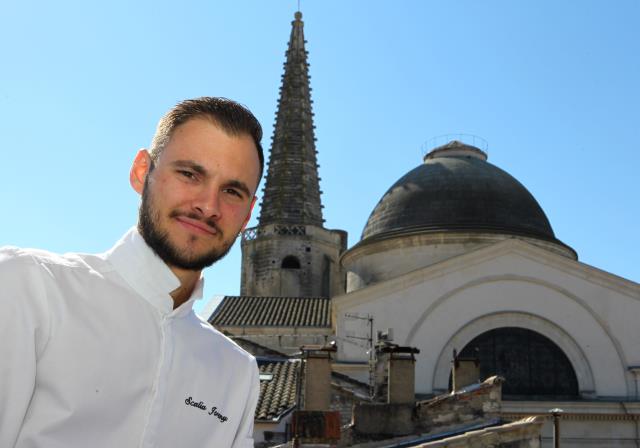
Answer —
234 183
191 165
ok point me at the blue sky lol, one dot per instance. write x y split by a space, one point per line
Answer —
552 86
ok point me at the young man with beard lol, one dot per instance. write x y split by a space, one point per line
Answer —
105 350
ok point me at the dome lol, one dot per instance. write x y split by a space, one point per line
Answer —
456 189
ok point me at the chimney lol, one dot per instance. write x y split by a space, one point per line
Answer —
401 378
466 371
316 386
313 423
394 371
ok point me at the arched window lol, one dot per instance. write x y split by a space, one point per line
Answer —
532 364
290 262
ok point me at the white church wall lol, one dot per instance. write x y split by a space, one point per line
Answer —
589 314
605 424
528 321
389 258
541 308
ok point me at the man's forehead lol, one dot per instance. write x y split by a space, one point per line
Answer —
184 149
211 121
188 129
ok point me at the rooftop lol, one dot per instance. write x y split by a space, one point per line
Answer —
278 381
240 311
454 190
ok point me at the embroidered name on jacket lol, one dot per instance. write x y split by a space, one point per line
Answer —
213 411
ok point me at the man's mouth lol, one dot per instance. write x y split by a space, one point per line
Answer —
197 226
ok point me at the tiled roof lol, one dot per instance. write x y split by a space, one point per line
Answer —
277 394
256 349
239 311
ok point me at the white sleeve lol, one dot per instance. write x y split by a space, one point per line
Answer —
244 436
24 328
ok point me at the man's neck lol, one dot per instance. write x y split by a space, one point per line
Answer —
188 281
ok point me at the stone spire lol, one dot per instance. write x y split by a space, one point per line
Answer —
292 191
290 253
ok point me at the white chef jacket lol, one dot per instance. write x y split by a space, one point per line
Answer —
92 354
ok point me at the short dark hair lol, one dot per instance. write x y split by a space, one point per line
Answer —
234 118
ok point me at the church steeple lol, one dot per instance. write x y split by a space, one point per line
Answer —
292 190
290 253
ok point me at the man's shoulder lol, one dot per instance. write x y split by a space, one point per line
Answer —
14 260
224 343
18 256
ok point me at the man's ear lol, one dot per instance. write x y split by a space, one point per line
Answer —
139 170
246 221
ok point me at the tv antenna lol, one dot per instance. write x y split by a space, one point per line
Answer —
369 344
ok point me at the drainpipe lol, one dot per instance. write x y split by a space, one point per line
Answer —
635 370
626 411
556 413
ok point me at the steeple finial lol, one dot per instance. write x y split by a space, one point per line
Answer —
292 189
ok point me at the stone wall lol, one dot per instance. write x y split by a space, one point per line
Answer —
476 403
345 394
524 433
317 253
284 340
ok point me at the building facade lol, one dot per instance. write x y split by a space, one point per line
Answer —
457 255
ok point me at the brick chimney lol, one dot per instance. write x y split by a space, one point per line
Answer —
313 423
465 371
316 378
394 372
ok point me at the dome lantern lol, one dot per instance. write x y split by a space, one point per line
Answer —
456 148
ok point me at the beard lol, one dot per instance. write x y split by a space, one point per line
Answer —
158 238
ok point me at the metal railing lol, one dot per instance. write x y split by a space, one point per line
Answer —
440 140
277 229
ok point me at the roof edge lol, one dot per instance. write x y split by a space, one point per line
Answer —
423 230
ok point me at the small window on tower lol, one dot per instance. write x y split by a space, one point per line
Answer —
290 262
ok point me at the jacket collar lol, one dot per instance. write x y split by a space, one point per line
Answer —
147 274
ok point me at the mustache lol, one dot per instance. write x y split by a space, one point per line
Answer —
208 222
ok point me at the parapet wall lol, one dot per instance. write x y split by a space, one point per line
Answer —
474 404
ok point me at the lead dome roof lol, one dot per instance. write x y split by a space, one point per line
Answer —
456 189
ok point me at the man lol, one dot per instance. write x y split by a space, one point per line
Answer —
105 350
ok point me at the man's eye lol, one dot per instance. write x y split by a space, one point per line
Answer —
233 192
187 174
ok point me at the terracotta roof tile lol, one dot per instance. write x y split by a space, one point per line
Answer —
272 312
278 393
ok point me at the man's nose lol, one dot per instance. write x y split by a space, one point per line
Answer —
207 203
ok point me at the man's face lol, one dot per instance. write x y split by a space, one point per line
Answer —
199 195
